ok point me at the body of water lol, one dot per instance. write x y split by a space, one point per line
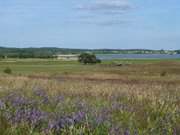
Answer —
137 56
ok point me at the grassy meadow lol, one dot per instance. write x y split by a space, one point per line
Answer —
118 97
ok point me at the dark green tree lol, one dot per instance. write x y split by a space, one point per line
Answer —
87 58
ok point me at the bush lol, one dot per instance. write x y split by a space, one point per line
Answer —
8 70
164 73
87 58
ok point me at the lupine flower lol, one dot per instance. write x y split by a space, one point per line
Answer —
59 98
62 122
115 130
2 105
42 94
78 117
102 116
19 101
57 125
174 132
126 132
39 92
82 105
32 116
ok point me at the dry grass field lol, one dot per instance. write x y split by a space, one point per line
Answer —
140 97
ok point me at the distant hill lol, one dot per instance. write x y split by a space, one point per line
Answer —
50 52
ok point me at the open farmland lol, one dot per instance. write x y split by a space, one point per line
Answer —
120 97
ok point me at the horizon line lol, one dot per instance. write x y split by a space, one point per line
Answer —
10 47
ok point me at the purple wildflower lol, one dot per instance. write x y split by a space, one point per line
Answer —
78 117
58 124
115 130
59 98
102 116
126 132
16 100
42 94
62 122
19 101
34 116
174 132
2 105
31 116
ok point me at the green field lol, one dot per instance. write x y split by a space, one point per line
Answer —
52 66
118 97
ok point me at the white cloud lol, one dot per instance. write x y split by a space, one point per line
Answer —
104 11
106 6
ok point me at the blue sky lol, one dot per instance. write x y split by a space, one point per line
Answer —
122 24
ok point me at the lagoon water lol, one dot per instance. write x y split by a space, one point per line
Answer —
137 56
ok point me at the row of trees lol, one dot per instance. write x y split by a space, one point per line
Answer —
27 55
27 52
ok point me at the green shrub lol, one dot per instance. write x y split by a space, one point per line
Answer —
164 73
8 70
87 58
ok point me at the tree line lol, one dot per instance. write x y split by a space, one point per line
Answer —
50 52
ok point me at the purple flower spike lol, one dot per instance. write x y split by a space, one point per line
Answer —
2 105
39 92
127 132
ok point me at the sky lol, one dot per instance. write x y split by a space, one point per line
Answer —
93 24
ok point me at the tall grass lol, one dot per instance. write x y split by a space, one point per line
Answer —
72 99
86 106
